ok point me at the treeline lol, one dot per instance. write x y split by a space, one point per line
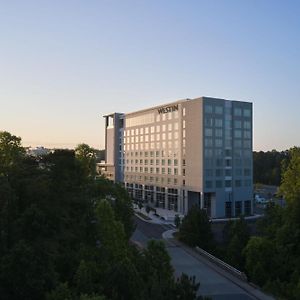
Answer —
272 258
65 235
267 166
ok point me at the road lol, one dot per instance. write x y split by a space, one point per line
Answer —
214 281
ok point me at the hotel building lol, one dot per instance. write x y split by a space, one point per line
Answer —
184 153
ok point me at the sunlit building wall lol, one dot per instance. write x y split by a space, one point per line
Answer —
185 153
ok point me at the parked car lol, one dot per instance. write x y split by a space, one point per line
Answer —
261 200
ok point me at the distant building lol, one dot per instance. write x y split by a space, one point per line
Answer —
184 153
38 151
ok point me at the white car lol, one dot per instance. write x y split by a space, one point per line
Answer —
261 200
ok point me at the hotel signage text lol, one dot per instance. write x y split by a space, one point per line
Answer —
167 109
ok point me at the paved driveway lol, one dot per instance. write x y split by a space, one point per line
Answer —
214 281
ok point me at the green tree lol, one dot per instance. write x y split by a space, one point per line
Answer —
195 229
260 264
11 152
236 236
87 157
186 288
290 187
64 235
158 272
61 292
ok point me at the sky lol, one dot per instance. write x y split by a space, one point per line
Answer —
66 63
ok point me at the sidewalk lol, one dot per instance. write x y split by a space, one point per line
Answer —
168 216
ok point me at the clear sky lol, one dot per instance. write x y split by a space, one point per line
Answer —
65 63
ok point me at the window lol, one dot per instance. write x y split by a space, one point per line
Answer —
237 124
208 121
219 162
170 126
228 172
219 152
209 162
238 183
227 152
208 132
247 125
208 142
218 132
219 172
219 110
209 172
247 143
218 122
228 209
208 109
228 124
175 171
238 134
238 143
238 208
238 112
247 112
208 152
227 183
228 162
218 143
247 134
247 204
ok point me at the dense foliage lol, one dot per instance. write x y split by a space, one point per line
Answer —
273 259
195 229
65 235
267 166
270 259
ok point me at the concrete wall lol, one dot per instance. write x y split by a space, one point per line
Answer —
194 147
